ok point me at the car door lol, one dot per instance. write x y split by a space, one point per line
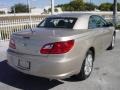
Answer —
97 33
103 26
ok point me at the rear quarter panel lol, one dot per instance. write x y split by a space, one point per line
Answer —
81 46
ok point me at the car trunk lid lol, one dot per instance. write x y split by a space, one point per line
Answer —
30 42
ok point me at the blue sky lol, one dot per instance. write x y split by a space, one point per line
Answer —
41 3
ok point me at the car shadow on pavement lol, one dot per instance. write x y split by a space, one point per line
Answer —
18 80
73 79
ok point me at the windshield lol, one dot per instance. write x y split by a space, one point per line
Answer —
58 22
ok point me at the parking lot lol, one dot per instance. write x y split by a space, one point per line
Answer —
105 76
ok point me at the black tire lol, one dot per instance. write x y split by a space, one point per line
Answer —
112 45
82 75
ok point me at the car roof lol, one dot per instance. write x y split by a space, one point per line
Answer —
73 15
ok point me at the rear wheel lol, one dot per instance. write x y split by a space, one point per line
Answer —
87 66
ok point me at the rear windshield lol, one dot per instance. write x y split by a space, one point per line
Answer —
58 22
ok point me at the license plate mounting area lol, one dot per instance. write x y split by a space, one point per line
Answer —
24 64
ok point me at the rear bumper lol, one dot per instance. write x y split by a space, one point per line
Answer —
45 66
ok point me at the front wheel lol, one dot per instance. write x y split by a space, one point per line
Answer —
112 45
87 66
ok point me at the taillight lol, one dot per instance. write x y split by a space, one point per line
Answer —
12 44
57 47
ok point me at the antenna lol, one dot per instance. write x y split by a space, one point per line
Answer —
52 7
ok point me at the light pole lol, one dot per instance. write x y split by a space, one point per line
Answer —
90 1
30 17
14 11
115 12
52 7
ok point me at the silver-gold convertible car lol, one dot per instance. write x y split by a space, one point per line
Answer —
61 46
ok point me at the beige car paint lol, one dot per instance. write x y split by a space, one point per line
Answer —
58 66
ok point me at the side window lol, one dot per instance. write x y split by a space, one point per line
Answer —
96 22
92 23
100 22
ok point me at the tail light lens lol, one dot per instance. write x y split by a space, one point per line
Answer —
12 44
57 47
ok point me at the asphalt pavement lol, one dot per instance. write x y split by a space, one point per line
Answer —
105 76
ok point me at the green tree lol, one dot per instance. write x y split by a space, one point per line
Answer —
77 5
56 10
19 8
106 7
2 12
90 6
118 6
67 7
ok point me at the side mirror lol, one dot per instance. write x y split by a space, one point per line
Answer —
109 24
